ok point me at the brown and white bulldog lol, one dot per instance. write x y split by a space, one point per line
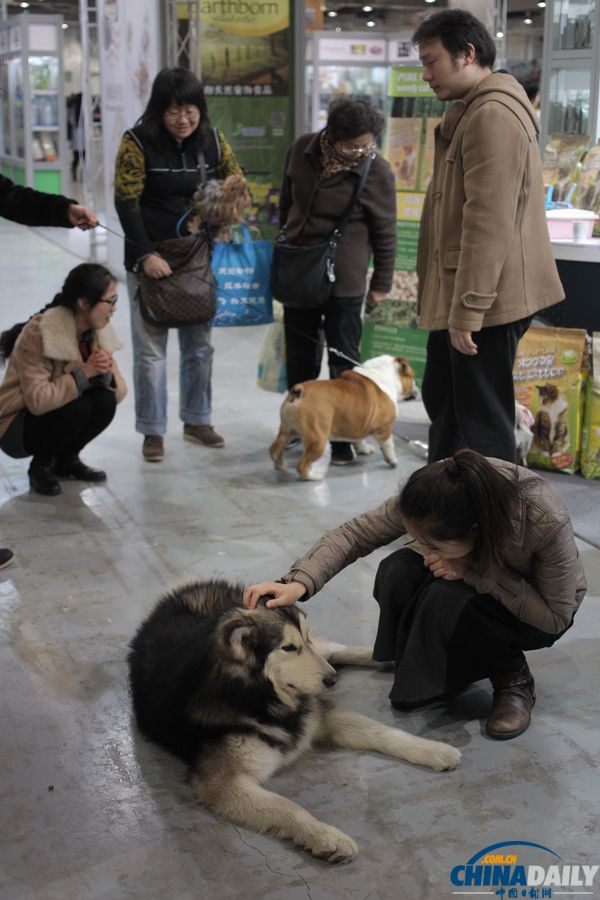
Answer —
363 401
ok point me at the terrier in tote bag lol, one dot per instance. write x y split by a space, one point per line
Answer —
221 205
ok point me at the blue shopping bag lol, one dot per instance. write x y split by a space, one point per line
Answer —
243 275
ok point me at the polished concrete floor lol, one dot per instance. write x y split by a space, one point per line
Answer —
89 811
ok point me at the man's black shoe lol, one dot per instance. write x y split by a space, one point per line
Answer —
6 556
342 453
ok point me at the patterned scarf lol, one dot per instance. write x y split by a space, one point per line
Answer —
330 161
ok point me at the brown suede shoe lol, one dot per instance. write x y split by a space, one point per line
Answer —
514 697
203 434
153 449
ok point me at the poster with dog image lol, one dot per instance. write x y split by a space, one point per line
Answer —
549 375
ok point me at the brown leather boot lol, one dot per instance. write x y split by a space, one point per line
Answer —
514 697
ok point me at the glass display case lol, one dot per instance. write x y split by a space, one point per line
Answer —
351 63
571 67
33 120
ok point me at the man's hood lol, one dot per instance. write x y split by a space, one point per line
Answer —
507 90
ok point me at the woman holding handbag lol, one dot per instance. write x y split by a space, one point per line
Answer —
321 175
160 163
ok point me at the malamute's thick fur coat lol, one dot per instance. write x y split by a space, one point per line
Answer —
238 693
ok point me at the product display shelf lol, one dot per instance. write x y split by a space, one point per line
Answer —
571 106
570 66
33 121
350 63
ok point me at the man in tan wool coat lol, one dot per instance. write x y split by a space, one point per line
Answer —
485 262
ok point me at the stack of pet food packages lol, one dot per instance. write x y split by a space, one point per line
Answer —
557 377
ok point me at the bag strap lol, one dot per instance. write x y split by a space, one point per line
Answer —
358 189
341 223
203 178
202 167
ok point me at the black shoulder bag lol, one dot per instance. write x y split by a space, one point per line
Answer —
302 277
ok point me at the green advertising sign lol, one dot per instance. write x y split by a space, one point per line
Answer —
246 56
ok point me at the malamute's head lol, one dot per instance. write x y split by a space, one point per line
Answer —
274 644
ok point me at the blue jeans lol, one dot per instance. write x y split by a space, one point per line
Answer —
150 371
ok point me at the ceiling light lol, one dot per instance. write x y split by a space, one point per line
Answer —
367 9
332 14
24 5
370 24
64 26
338 28
542 4
499 34
527 20
429 1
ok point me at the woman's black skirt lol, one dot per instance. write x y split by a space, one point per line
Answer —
443 635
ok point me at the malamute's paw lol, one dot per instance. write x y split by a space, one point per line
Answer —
333 845
440 756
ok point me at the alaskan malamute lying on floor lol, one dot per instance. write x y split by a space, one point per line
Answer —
239 693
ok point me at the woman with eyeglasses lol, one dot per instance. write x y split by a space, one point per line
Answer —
62 383
321 172
160 163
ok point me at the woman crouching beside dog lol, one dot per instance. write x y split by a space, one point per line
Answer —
493 570
62 384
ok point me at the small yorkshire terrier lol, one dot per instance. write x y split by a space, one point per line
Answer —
221 204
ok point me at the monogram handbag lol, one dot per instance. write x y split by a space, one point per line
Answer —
302 277
187 296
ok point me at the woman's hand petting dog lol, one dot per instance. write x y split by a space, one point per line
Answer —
448 569
281 594
156 267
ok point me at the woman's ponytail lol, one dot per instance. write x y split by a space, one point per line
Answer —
8 338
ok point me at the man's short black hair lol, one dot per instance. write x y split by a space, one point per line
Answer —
457 28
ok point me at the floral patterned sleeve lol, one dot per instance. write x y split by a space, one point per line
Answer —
130 180
228 164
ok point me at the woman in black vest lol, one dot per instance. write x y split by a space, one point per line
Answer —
158 169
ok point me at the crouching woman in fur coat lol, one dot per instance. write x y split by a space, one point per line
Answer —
62 384
492 571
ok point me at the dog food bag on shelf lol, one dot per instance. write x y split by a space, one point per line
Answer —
590 439
549 374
